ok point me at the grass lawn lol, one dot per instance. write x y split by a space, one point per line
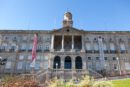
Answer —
121 83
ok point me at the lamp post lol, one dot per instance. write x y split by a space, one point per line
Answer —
119 65
2 62
56 69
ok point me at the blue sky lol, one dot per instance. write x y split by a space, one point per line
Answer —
99 15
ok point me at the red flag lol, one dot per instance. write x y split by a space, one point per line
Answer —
34 50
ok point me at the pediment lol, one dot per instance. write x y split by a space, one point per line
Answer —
67 30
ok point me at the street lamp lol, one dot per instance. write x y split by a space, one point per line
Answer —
119 65
56 69
3 61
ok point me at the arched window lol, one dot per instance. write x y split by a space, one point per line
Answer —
68 63
57 61
78 62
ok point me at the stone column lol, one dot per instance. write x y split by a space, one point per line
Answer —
73 63
83 50
62 49
62 62
72 43
84 64
52 43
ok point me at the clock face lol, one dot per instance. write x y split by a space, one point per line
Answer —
66 17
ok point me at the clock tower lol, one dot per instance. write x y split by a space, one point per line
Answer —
67 22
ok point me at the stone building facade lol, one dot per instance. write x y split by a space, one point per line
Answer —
66 49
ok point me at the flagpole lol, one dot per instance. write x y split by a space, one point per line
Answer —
35 41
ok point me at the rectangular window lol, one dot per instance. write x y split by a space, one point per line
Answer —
112 47
23 46
104 46
29 57
20 65
38 57
30 46
21 57
37 65
28 66
46 65
105 58
98 66
88 46
24 38
127 66
96 46
97 58
89 65
8 65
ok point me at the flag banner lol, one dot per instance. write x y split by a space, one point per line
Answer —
34 51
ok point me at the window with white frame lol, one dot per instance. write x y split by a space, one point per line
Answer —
30 46
28 66
21 57
29 57
88 46
8 65
112 46
23 46
45 57
38 57
46 65
96 46
46 47
20 65
127 65
39 47
122 46
98 66
89 65
104 46
37 65
46 37
24 38
4 46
